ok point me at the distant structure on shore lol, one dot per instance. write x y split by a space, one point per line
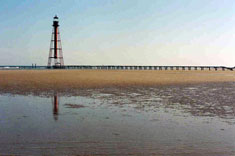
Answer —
55 59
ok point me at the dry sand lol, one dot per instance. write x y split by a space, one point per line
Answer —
20 81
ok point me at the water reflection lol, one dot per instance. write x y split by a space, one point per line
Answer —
55 103
208 100
108 123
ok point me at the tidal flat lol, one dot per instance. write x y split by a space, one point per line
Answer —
194 118
68 82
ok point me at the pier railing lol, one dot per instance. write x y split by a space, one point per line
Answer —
121 67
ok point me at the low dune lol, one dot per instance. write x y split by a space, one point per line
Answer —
24 81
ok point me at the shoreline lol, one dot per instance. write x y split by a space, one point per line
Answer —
48 81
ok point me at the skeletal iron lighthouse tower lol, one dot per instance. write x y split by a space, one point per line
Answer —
55 59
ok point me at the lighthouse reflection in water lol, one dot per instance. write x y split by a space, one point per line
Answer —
55 103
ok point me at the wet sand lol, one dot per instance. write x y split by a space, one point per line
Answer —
66 81
98 112
195 119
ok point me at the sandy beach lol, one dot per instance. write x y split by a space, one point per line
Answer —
117 112
25 81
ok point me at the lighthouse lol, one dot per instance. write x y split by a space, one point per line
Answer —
55 59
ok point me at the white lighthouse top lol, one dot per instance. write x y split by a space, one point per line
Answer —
56 18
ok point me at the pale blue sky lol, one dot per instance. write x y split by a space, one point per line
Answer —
125 32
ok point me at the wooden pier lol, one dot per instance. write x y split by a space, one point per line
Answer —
121 67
